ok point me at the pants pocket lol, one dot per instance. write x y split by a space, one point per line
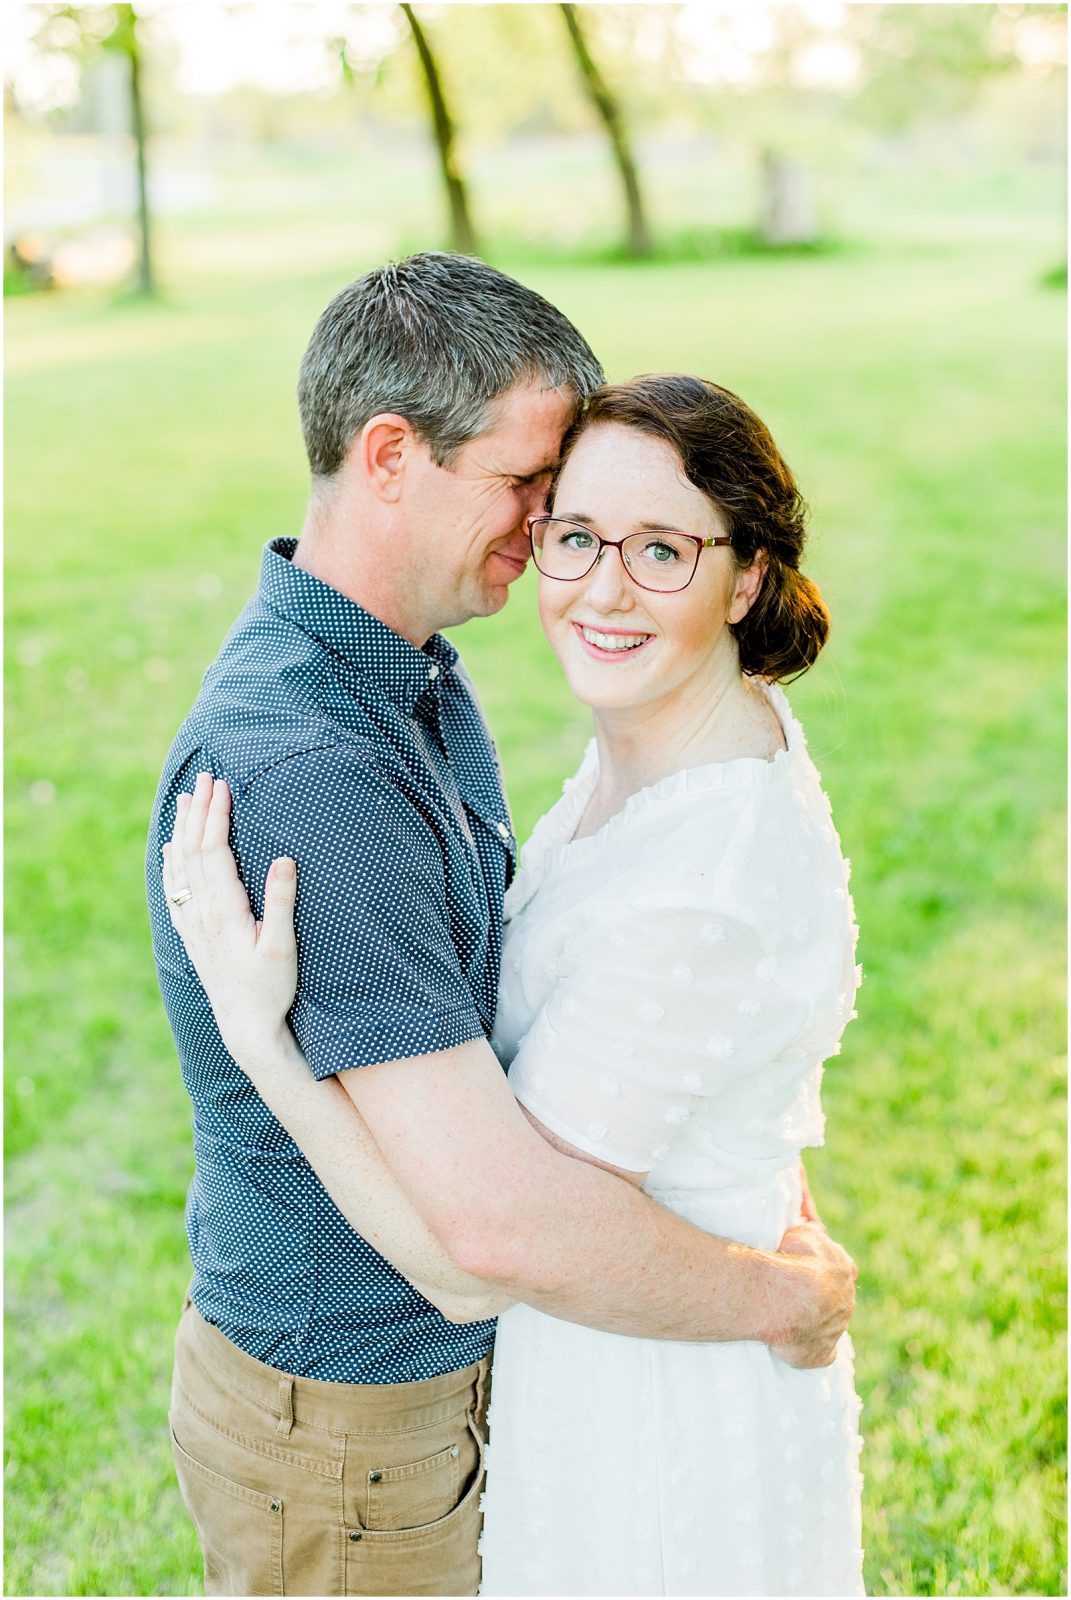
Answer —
417 1492
432 1557
240 1529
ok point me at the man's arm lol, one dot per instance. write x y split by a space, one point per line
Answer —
509 1210
571 1238
249 971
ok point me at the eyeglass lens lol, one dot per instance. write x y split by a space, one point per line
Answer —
664 561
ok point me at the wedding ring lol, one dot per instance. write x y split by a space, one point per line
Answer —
181 897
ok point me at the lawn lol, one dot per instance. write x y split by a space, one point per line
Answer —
917 388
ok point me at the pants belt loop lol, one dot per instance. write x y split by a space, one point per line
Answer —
286 1406
483 1372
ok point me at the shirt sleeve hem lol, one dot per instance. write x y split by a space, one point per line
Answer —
331 1049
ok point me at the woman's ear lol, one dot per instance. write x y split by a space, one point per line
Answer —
748 583
380 453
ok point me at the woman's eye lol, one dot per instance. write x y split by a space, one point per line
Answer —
577 539
661 552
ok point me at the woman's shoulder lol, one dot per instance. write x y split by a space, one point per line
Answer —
773 769
753 843
702 803
743 826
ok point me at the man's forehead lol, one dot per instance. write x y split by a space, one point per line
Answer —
528 428
522 458
529 406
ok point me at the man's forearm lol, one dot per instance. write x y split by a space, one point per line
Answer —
569 1237
592 1249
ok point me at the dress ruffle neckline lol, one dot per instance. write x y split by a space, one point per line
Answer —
552 842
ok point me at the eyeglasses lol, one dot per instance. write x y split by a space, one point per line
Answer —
660 559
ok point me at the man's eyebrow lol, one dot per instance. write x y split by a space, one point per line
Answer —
542 471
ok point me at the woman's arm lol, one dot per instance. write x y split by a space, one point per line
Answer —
249 971
334 1138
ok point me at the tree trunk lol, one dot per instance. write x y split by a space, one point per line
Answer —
146 282
462 231
123 40
787 215
638 238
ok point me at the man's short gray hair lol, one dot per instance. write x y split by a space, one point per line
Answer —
438 339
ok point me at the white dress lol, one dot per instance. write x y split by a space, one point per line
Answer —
671 986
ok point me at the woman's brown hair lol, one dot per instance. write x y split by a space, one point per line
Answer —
728 453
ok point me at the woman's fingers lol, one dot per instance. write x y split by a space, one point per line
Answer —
196 815
218 816
200 862
280 892
176 860
175 875
248 969
220 871
169 885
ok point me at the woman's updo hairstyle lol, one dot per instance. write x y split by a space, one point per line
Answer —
727 452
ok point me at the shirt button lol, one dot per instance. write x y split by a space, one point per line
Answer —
433 672
503 830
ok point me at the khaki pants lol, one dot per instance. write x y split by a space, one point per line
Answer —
302 1487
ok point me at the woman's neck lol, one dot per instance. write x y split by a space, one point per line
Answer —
724 718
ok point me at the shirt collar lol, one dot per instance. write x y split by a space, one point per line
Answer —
375 651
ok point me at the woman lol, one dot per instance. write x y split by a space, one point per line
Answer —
679 960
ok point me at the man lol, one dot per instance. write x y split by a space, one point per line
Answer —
327 1421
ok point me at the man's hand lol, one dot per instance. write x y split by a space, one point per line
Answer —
834 1282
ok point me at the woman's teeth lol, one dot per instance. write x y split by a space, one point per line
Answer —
614 641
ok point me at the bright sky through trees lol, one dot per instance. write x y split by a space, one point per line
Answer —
286 47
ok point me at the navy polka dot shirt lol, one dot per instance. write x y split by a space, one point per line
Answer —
368 761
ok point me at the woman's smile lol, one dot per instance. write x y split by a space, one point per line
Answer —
611 644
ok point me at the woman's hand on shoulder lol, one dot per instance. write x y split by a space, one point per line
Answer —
248 968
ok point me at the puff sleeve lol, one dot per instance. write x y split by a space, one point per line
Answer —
654 1005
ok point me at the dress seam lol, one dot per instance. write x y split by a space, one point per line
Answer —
658 1434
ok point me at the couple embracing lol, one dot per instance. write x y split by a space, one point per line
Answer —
437 1091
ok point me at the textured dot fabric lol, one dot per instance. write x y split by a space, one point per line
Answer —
368 761
671 986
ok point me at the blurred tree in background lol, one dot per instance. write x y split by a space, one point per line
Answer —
462 230
745 125
939 57
124 38
84 32
637 230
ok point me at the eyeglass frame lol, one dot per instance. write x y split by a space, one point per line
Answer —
616 544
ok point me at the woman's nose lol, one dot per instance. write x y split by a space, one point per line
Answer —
608 582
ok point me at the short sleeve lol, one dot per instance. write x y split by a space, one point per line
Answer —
379 976
651 1009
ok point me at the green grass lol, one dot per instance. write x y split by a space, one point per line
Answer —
917 390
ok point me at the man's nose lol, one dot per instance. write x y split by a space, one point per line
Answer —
533 500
